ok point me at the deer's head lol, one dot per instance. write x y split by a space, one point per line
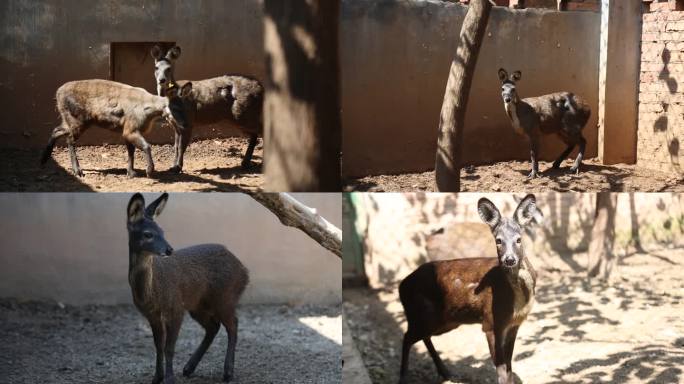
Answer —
508 91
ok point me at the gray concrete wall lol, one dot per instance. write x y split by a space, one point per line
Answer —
44 44
73 247
395 61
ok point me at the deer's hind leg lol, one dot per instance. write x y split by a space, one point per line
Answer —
230 322
439 364
247 159
564 155
211 327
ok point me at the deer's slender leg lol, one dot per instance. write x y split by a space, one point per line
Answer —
247 160
559 160
508 347
176 149
441 368
71 143
580 155
139 142
211 327
130 170
534 146
409 340
230 322
185 138
172 327
496 350
159 341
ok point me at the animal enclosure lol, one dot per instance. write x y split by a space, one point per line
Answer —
624 331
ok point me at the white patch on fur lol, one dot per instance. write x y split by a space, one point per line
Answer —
513 115
522 307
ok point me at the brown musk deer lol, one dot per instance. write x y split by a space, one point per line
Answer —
206 280
563 113
496 292
231 98
119 107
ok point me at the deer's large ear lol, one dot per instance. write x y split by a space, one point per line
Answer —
516 76
503 75
173 53
526 210
488 212
186 89
136 208
156 207
156 52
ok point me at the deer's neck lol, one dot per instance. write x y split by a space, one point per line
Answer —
141 277
522 284
512 112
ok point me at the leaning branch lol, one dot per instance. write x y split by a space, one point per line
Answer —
292 213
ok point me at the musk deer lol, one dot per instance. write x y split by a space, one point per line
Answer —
116 106
206 280
562 113
233 98
496 292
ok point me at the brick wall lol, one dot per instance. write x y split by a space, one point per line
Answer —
661 94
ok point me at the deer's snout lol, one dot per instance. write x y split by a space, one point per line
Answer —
168 251
507 100
510 261
162 80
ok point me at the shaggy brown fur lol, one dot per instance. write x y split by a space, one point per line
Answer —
115 106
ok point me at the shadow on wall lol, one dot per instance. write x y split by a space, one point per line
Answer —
662 124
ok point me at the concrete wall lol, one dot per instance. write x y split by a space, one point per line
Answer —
44 44
398 230
661 95
73 247
395 60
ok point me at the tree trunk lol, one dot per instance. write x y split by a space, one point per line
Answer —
292 213
448 157
302 129
601 258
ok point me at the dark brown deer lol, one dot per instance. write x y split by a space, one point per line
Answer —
120 107
231 98
206 280
496 292
562 113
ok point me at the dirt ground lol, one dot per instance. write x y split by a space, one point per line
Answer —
631 331
512 177
209 165
52 343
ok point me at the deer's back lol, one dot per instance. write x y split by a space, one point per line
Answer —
106 103
245 109
204 275
549 115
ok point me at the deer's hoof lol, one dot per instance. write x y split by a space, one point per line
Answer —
556 165
188 370
227 377
169 380
175 169
246 165
79 173
149 173
574 171
132 173
444 373
532 175
157 379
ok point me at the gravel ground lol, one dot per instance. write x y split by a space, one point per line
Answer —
512 177
51 343
209 165
631 331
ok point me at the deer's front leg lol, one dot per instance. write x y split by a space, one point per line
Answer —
508 349
159 341
534 147
495 341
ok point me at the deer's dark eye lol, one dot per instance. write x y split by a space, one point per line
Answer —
148 235
518 241
498 241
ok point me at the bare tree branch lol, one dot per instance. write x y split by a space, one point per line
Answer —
292 213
